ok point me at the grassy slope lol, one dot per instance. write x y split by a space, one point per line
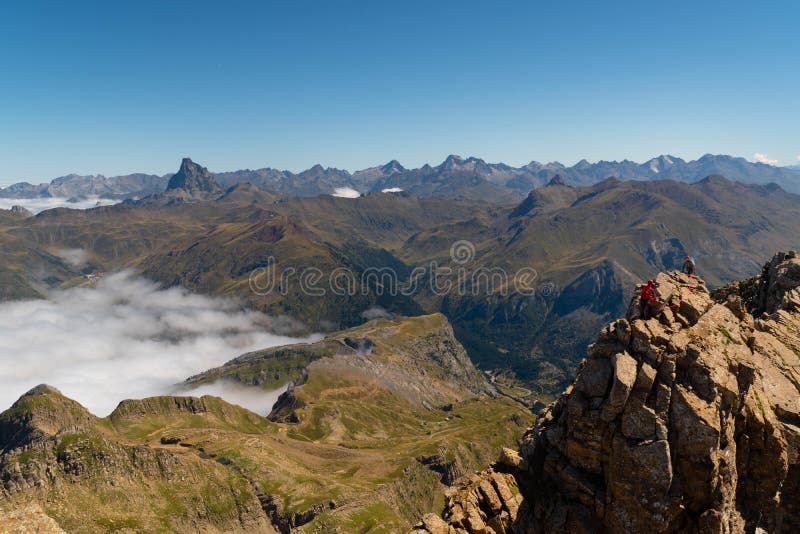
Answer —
364 422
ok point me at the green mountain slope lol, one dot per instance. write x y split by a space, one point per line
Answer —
363 442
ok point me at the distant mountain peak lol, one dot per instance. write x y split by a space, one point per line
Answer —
392 166
661 163
582 164
556 180
452 161
715 179
193 178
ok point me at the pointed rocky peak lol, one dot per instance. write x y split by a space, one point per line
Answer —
556 180
21 210
193 179
582 164
451 162
669 159
662 163
533 165
392 167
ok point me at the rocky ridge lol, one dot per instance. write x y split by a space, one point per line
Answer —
689 422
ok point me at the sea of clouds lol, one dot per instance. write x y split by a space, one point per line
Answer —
38 205
127 338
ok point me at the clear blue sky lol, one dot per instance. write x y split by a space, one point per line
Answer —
118 87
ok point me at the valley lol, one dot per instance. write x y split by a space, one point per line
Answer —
585 247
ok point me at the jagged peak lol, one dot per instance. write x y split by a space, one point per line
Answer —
193 178
392 166
556 180
582 164
187 163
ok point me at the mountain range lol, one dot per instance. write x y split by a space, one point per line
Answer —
588 245
456 177
412 390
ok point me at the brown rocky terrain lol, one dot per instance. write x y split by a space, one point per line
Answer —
689 422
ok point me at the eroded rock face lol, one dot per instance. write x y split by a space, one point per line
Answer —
689 422
193 179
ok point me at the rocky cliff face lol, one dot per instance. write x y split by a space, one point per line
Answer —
194 180
689 422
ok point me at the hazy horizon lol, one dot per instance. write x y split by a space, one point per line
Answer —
174 169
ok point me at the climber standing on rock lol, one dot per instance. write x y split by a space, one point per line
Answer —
648 300
688 266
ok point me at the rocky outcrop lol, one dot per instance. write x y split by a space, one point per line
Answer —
488 502
192 183
193 179
688 422
21 210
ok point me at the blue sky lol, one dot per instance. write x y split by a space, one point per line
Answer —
119 87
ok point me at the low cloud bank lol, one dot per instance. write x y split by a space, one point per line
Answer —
38 205
346 192
127 338
254 399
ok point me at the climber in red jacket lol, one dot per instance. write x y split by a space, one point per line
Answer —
648 300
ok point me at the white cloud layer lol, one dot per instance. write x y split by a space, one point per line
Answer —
346 192
128 339
37 205
763 158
